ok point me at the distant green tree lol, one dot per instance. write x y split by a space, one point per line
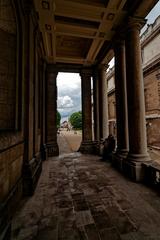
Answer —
76 120
58 119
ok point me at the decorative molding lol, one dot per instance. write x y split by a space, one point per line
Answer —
110 16
86 72
135 23
48 27
27 6
46 5
153 116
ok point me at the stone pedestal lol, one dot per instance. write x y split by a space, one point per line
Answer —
51 135
87 147
121 105
52 149
87 144
136 107
31 173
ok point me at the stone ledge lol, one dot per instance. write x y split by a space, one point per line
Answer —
152 173
10 139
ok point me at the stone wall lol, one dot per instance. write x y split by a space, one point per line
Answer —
153 132
11 159
152 105
22 106
152 94
8 62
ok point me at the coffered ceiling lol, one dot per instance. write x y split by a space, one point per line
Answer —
80 31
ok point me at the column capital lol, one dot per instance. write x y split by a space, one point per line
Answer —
27 6
135 23
103 67
86 72
118 42
52 68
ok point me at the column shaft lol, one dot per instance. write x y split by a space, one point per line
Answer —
103 101
96 105
136 107
121 99
121 105
87 144
100 100
51 135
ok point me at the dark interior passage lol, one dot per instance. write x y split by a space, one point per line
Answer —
80 197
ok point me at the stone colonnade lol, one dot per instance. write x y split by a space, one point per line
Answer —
131 149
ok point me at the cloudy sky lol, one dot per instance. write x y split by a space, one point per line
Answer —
69 84
69 94
152 16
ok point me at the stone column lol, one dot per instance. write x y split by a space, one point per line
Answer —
121 103
136 106
96 114
104 131
87 144
43 111
96 105
51 123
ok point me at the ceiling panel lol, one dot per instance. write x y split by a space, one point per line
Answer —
80 31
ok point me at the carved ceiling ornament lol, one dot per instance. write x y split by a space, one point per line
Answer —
45 5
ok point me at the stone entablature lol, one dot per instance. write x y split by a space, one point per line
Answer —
150 45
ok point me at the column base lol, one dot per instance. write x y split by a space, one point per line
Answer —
31 174
97 147
133 166
52 149
88 147
118 158
44 152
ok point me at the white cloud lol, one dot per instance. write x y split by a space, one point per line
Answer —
68 80
69 93
65 102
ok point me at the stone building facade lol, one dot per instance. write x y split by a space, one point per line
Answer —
111 102
150 44
150 51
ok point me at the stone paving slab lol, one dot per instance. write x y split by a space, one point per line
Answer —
79 197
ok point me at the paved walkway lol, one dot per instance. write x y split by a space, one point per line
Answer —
79 197
73 138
